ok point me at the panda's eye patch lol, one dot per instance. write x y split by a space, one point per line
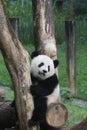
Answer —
48 68
41 64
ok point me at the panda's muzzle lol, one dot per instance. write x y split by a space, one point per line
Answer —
41 73
44 70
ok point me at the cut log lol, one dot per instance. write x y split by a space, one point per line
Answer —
8 116
57 115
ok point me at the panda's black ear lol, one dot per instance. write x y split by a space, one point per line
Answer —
56 63
34 54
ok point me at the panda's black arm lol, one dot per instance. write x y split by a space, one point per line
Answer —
38 90
44 88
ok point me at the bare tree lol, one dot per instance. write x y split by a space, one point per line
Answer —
17 61
44 28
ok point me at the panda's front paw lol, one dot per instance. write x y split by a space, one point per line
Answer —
32 90
32 123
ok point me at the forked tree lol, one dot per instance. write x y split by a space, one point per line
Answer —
17 59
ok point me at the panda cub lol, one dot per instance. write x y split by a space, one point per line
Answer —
45 90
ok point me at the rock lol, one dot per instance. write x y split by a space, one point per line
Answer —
2 95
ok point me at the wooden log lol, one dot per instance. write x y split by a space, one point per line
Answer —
81 126
8 116
57 115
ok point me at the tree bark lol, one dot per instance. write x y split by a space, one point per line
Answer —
8 116
70 49
44 28
17 62
71 56
14 22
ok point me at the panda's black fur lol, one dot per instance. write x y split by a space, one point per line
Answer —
41 90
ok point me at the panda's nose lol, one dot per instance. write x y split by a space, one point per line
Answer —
44 71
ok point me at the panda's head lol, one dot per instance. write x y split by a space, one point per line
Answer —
42 66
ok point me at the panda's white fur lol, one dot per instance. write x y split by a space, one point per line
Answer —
54 97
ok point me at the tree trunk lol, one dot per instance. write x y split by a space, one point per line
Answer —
70 49
14 22
71 56
17 62
44 28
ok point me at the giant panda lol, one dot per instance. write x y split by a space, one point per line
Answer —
45 88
